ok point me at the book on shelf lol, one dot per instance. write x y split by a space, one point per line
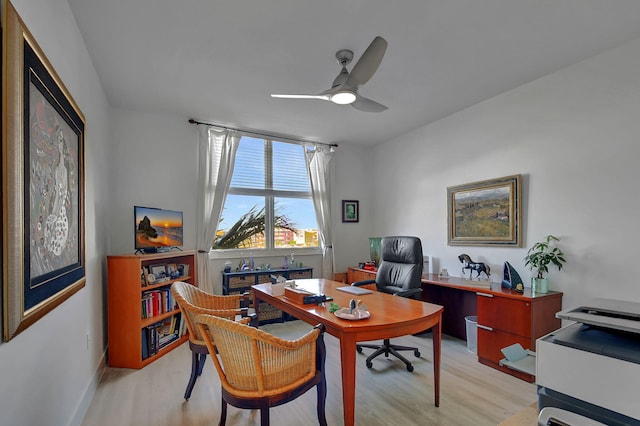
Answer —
156 302
164 340
160 334
149 338
148 304
145 344
172 328
182 326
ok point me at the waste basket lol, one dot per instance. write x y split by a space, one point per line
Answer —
472 333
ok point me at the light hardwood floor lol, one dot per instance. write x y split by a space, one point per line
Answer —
387 394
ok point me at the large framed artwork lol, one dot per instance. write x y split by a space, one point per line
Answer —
486 213
43 258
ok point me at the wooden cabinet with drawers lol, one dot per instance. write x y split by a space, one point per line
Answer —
508 318
356 274
241 281
504 316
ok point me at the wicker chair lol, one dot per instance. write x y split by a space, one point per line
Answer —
193 301
259 370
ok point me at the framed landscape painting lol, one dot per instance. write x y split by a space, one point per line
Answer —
485 213
43 183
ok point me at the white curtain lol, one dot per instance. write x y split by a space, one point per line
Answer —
216 157
320 165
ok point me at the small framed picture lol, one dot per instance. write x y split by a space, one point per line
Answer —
158 271
183 269
172 270
350 211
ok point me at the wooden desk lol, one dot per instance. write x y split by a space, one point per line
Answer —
390 317
504 316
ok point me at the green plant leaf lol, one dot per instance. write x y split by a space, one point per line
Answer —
333 307
544 253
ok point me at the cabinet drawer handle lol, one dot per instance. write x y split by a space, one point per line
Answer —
484 294
484 327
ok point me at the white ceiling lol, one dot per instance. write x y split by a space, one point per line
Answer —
219 60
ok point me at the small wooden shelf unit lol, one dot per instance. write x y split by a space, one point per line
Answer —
241 281
126 289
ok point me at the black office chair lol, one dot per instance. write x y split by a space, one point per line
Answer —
400 274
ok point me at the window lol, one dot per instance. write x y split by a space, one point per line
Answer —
269 204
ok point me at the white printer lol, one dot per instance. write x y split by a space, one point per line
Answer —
592 366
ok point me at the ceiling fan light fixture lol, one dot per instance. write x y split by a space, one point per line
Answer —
343 98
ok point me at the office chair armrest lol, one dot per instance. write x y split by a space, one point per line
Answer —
410 293
364 282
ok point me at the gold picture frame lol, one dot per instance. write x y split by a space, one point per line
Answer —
485 213
43 256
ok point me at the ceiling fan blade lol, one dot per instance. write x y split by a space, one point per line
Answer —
367 105
320 96
367 64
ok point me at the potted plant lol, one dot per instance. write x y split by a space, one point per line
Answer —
539 257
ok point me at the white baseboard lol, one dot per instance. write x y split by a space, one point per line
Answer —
90 390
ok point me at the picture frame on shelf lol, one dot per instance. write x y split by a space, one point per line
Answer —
43 182
158 270
485 213
350 211
172 270
183 269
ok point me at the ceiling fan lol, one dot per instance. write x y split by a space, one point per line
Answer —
344 89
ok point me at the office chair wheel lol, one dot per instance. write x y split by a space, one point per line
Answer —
409 368
416 353
369 364
359 349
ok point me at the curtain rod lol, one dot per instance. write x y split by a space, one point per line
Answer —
264 135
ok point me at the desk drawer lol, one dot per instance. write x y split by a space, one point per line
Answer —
501 313
490 343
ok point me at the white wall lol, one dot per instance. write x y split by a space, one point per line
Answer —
49 371
353 181
573 135
155 159
155 164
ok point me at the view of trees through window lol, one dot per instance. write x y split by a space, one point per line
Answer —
268 205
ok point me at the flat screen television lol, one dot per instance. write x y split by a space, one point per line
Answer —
157 229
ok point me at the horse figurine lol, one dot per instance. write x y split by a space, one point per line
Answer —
469 264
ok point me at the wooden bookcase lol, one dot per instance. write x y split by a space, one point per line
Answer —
127 286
